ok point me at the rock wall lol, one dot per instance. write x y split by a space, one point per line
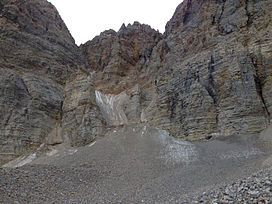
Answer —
82 120
117 58
216 77
208 75
37 57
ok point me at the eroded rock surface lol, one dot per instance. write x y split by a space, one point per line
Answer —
117 58
216 77
209 75
37 56
82 120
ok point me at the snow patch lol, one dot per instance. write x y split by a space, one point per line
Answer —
21 161
72 151
240 154
111 107
92 144
176 150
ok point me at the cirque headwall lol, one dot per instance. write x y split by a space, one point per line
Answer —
209 74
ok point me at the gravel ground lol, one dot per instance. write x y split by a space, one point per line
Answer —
46 184
143 165
50 184
254 189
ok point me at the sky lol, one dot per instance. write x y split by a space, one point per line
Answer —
88 18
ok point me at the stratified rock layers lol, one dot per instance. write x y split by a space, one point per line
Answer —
117 58
210 74
37 57
216 78
82 120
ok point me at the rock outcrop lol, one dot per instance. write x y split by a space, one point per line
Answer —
117 58
117 61
37 57
208 75
82 120
216 78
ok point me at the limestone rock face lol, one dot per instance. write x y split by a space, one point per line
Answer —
216 75
82 120
117 58
208 75
37 55
35 39
117 61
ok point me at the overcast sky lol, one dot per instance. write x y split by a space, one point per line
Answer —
88 18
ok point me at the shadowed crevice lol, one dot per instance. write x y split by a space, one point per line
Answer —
210 85
249 17
259 86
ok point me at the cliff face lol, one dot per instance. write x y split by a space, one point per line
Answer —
210 73
37 56
117 58
216 78
117 62
81 121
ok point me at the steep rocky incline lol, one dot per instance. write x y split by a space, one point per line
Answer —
82 120
117 62
37 56
209 75
117 58
216 77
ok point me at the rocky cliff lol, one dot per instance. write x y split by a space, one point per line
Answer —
117 61
37 56
208 75
117 58
216 78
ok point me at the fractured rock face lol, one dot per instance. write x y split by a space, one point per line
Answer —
210 73
82 121
118 61
117 58
35 39
215 77
37 55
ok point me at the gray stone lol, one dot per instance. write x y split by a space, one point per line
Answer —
208 75
82 121
37 56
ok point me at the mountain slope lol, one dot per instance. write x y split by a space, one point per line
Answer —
37 57
209 75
